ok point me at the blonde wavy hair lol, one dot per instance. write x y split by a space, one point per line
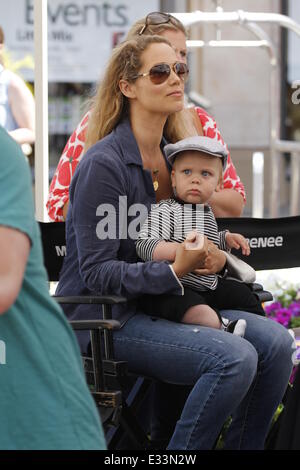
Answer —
109 105
1 44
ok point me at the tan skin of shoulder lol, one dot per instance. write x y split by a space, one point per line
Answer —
15 248
227 203
65 210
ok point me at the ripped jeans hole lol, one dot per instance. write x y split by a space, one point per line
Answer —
218 340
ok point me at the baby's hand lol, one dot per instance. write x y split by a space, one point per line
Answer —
194 241
236 240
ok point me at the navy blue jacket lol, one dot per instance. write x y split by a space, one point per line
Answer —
107 183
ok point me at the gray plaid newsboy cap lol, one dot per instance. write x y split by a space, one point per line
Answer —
198 143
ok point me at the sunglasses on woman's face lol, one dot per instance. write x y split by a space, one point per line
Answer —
159 73
157 18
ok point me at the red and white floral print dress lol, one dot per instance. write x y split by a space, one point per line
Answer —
73 153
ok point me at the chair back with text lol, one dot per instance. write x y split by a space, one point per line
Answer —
274 243
106 376
54 247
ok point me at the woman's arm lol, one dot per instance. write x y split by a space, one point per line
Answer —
95 204
227 203
230 200
214 262
15 247
65 210
23 109
58 198
190 254
165 251
151 243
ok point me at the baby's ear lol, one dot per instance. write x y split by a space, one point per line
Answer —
220 183
173 177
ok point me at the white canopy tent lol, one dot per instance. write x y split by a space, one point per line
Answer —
250 21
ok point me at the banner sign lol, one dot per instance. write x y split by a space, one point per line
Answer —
274 243
81 33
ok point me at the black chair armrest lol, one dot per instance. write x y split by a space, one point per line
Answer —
264 296
256 287
90 299
260 293
96 327
106 324
95 324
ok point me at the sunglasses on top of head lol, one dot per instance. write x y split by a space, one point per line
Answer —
157 18
160 73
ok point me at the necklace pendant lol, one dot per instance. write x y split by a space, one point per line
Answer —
155 185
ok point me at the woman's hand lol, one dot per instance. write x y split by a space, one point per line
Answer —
190 254
215 261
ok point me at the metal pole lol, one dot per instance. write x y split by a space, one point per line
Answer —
258 185
275 156
41 100
293 148
274 117
195 43
295 181
238 17
287 146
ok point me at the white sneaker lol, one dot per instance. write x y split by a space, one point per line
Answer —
236 327
295 360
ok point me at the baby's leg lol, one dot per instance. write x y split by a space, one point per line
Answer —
202 315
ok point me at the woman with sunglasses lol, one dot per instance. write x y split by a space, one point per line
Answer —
229 202
114 185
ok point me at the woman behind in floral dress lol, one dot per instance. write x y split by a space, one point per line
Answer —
229 202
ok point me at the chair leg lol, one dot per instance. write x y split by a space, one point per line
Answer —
133 430
129 426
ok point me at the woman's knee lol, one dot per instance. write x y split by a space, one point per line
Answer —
238 359
273 342
284 345
279 342
239 367
247 358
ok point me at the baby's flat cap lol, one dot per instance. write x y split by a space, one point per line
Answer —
198 143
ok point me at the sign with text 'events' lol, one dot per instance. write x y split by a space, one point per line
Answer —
81 33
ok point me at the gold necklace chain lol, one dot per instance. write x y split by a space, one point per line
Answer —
155 182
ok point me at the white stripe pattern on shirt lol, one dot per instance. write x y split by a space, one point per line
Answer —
171 221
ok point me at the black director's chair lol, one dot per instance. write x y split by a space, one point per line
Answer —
106 377
274 243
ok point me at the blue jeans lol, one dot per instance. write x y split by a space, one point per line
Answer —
228 375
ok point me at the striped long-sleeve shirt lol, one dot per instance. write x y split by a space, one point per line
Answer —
171 220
